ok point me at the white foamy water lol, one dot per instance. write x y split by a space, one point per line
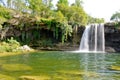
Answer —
93 39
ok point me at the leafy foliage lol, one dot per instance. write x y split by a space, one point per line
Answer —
57 27
25 15
0 26
115 16
78 3
64 2
78 15
10 45
19 5
48 3
35 6
2 2
5 13
60 17
95 20
63 8
117 25
2 20
73 14
66 31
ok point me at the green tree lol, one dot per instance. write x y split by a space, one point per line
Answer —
47 11
5 13
94 20
63 6
65 2
77 15
73 13
115 16
19 5
48 3
9 3
78 3
60 17
35 6
39 8
2 2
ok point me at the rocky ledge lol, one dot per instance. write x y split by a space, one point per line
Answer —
112 38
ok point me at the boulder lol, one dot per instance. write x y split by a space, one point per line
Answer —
110 49
25 48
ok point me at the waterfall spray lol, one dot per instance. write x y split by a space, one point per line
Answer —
93 38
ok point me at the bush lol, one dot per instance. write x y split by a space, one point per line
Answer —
10 45
117 25
2 20
0 26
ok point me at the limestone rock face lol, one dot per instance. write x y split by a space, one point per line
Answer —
112 38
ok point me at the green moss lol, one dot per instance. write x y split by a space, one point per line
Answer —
115 68
78 73
16 67
6 77
34 78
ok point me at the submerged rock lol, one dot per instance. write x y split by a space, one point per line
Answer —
110 49
115 68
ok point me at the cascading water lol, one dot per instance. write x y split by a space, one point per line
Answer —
93 38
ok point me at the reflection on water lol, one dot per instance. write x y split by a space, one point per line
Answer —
93 63
57 65
97 67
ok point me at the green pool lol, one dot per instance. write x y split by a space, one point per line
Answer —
59 65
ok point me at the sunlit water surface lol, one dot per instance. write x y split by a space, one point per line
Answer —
58 65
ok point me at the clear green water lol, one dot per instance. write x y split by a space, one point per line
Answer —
56 65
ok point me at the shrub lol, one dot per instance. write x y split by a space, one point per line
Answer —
0 26
10 45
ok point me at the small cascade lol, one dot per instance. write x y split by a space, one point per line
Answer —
93 38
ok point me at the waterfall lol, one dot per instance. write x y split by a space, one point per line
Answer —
93 38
